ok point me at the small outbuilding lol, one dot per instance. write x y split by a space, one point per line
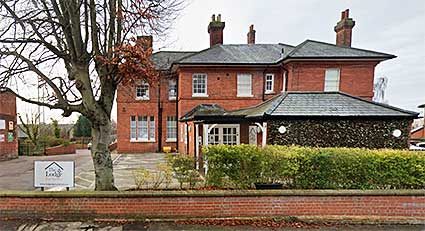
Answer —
8 131
317 119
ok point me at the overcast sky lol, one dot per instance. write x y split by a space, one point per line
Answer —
394 27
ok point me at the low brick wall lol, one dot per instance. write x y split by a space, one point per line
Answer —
62 149
374 206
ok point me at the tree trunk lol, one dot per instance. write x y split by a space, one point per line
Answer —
101 156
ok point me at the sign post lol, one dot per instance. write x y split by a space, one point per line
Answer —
54 174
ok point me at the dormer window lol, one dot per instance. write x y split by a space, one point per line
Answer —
142 91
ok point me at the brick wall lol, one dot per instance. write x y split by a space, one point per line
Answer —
418 135
62 149
382 206
127 105
8 149
356 78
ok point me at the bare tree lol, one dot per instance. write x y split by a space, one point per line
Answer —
31 127
79 51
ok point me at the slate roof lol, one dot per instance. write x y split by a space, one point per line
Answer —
203 110
163 60
316 49
261 54
332 104
304 104
240 54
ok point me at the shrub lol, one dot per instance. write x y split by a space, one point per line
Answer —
162 175
141 177
183 168
238 165
315 168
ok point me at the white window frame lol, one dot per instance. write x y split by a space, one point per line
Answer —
133 128
197 75
172 83
142 123
239 89
143 85
271 90
284 81
328 88
220 128
171 129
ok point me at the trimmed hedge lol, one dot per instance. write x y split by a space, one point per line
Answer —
314 168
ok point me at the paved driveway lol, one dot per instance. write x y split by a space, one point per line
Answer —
18 174
124 165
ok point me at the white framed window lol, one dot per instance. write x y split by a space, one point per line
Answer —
142 129
133 128
172 89
142 91
199 85
332 79
269 83
284 81
151 129
244 85
171 135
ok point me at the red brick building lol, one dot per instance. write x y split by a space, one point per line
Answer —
199 88
8 134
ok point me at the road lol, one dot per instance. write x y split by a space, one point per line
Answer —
18 174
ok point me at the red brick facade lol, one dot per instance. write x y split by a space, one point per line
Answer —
356 77
129 106
407 207
8 133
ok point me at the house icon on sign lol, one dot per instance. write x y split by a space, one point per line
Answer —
54 170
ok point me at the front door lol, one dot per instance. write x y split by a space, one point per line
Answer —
224 134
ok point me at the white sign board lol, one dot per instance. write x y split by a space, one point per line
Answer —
54 173
2 124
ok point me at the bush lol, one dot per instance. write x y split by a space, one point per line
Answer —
239 166
184 170
314 168
141 177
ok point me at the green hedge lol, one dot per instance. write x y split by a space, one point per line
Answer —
314 168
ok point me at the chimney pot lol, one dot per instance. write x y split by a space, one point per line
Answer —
215 29
213 18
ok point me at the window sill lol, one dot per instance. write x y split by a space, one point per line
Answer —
269 92
245 96
200 96
171 140
142 141
142 98
172 98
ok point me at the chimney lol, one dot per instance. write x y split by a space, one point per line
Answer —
251 35
344 29
215 29
145 40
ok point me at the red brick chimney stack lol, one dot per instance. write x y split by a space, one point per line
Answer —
251 35
147 41
215 29
344 29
